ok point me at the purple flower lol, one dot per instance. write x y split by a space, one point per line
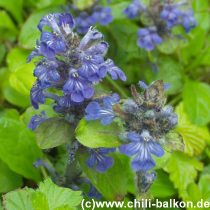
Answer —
188 20
102 15
37 96
134 9
105 113
83 22
36 120
114 71
99 160
148 38
93 193
171 14
69 63
46 71
78 87
141 147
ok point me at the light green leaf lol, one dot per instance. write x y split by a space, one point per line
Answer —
194 137
162 182
59 196
93 134
18 148
16 58
83 4
183 171
18 200
8 179
114 183
6 21
14 7
197 101
17 82
10 113
14 97
39 201
53 132
47 197
202 15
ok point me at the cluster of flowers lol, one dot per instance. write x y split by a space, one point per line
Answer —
68 66
146 121
91 16
162 16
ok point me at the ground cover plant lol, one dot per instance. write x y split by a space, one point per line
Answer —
103 100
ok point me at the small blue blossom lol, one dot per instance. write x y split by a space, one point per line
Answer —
101 15
83 22
171 15
47 72
78 87
69 63
105 113
114 71
99 160
167 113
98 14
188 20
134 9
148 38
93 193
36 120
37 95
141 146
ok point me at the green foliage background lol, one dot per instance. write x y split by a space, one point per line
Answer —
183 63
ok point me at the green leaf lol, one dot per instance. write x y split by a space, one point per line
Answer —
10 113
204 187
114 183
93 134
128 36
14 97
169 46
170 72
194 137
6 21
14 7
53 132
2 52
183 171
202 15
18 200
197 102
162 182
39 201
83 4
16 58
8 179
47 197
17 82
18 148
59 196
